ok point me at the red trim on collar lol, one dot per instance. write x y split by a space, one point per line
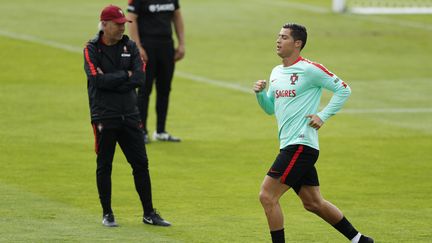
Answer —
300 58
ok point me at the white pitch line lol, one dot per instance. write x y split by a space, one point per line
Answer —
391 21
205 80
220 83
300 6
370 18
44 42
387 110
74 49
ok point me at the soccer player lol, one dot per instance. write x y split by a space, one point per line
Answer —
293 95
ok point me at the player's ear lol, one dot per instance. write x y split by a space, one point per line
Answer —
298 43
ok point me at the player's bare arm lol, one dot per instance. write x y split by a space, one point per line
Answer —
133 30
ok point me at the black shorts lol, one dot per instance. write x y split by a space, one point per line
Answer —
295 166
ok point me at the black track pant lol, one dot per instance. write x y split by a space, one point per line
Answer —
159 69
132 144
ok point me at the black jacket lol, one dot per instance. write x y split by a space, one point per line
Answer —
112 95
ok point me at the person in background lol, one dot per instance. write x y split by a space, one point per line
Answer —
151 29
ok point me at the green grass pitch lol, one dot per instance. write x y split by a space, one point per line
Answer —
375 159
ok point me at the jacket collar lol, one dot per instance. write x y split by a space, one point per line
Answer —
98 36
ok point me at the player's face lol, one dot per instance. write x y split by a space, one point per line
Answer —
114 31
285 44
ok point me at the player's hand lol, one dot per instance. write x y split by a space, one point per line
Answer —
179 53
143 54
99 70
259 86
315 121
129 73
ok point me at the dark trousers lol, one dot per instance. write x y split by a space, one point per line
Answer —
130 139
159 69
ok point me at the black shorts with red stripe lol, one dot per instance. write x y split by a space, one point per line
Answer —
295 166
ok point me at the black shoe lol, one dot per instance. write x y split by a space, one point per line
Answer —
109 221
365 239
155 219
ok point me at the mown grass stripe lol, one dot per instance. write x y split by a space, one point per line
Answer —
205 80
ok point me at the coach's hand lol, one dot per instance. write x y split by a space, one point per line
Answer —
315 121
259 86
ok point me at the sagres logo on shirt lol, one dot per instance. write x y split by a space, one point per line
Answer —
285 93
161 7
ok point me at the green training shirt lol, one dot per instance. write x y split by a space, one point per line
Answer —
295 92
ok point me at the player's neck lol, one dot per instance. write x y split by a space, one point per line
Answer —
108 41
288 61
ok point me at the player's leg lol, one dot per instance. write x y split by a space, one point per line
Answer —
275 185
145 91
164 78
271 191
105 142
315 203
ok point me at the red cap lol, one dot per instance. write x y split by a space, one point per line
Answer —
113 13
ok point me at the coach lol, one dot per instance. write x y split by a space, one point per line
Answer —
114 70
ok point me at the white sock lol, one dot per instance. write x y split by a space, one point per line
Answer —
356 238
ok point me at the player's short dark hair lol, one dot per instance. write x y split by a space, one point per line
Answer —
298 32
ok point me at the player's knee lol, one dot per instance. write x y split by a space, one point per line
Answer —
266 199
262 197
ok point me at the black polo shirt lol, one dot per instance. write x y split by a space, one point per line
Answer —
154 19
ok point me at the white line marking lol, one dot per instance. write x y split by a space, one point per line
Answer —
392 21
300 6
200 79
74 49
220 83
370 18
387 110
44 42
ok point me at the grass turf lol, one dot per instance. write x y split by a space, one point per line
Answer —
374 166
